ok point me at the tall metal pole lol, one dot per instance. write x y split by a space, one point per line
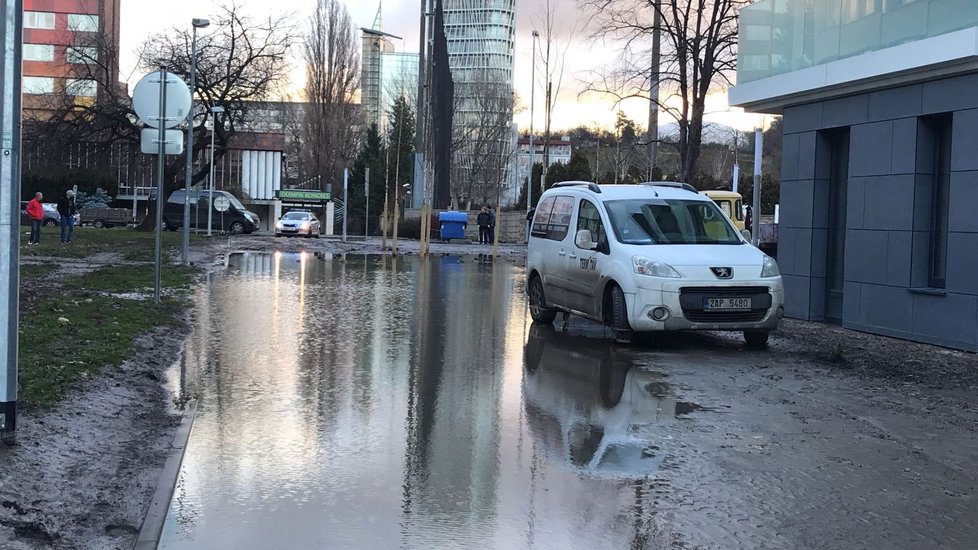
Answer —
160 167
654 87
533 88
366 204
346 199
736 165
210 188
10 121
758 146
190 149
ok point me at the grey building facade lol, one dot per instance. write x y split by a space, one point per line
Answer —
879 192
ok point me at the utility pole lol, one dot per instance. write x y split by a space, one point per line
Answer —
366 205
10 123
346 199
736 165
533 89
422 115
756 217
654 87
196 24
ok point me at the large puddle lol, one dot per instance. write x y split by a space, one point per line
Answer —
366 402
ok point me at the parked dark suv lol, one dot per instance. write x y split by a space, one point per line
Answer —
236 219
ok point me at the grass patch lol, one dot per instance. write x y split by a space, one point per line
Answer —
71 330
65 339
37 271
130 278
131 244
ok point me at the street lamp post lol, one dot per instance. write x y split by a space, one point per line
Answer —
216 110
529 175
196 24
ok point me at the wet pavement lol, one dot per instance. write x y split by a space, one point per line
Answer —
369 402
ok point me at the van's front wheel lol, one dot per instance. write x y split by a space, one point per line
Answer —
619 316
538 303
237 228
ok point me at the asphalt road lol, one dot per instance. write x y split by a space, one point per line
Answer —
369 402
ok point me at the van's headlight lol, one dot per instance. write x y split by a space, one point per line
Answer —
279 225
770 268
653 268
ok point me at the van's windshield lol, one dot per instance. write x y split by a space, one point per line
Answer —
235 202
670 221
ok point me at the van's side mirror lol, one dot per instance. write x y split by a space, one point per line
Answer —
746 235
584 241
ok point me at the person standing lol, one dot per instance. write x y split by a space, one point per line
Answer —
492 225
35 211
482 220
66 208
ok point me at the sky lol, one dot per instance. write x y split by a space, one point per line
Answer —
141 19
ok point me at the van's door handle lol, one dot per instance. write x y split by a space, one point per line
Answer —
561 252
573 256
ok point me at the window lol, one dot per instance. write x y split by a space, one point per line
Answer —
552 218
936 137
38 52
82 22
81 88
590 219
669 221
38 20
36 85
80 55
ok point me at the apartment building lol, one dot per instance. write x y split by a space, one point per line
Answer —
69 45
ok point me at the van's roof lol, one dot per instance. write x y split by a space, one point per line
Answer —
664 190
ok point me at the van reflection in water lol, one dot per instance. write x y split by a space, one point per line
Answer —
589 405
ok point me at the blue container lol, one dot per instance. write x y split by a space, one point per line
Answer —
453 225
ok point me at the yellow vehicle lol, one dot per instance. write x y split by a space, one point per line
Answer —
732 204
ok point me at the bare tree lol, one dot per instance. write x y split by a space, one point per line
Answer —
241 62
332 78
483 143
698 57
556 42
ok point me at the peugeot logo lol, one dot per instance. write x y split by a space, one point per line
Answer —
722 272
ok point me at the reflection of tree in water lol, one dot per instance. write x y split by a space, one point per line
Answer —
454 390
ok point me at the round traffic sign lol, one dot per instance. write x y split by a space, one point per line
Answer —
146 100
221 204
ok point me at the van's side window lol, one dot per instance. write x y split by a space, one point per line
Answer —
541 220
560 218
590 219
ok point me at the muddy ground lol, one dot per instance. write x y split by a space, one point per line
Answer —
84 473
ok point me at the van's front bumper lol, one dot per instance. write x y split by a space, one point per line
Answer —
767 297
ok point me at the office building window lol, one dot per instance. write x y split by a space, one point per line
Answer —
81 88
80 55
38 20
935 138
37 85
38 52
82 22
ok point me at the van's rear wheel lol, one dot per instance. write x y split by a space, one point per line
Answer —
756 338
538 303
619 316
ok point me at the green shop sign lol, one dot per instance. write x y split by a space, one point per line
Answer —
302 195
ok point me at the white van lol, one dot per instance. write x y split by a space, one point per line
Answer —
652 257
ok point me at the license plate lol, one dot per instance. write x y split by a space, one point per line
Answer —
726 304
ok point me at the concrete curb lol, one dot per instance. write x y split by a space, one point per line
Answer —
152 529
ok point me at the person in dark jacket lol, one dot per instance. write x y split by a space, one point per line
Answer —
35 211
492 225
482 220
66 208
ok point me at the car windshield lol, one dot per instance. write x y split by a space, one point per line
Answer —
297 216
670 221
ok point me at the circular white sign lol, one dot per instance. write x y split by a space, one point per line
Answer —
221 204
146 100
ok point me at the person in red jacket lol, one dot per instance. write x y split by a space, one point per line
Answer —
36 214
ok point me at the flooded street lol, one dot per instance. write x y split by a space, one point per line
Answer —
364 402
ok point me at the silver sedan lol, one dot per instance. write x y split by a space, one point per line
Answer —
298 222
